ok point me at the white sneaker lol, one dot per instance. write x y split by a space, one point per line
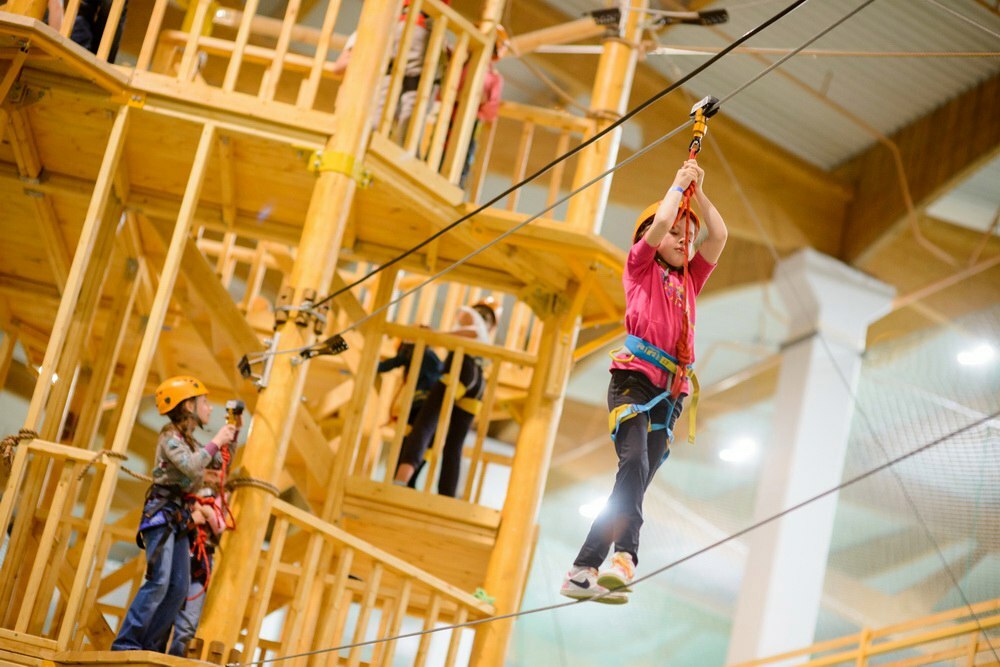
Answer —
618 577
581 584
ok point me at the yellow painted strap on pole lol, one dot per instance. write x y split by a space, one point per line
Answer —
342 163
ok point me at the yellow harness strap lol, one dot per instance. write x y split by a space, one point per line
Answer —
471 405
624 355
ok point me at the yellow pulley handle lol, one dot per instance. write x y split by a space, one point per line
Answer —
701 112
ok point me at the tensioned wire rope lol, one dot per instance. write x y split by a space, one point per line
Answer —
522 224
718 543
565 156
865 417
448 269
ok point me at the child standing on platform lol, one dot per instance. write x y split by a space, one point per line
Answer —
178 470
479 323
648 384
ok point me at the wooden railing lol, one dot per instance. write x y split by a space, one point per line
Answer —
955 635
378 455
449 89
508 365
47 507
319 577
544 134
287 62
309 565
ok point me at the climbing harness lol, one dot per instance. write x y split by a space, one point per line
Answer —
220 505
636 347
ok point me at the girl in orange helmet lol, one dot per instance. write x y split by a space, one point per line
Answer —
163 531
662 277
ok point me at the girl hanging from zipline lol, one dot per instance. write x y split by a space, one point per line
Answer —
650 374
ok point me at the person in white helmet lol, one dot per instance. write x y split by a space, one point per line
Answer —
478 322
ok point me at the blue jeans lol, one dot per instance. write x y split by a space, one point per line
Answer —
186 623
168 574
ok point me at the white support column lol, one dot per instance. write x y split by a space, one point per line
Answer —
831 306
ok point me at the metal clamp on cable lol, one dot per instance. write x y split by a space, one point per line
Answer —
305 313
704 17
342 163
246 363
703 109
331 346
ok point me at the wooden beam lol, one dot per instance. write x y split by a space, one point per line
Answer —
938 150
88 238
29 165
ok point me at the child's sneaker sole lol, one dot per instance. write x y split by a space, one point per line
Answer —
611 598
613 583
617 597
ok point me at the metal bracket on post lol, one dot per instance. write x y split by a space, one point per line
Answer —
341 163
282 305
266 358
543 303
305 313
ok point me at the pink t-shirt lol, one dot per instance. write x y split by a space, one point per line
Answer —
654 305
489 106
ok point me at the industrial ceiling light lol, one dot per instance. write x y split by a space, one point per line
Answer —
592 509
979 355
742 450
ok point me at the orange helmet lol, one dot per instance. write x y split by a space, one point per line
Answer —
650 211
174 391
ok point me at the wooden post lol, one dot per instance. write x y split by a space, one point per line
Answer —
107 355
80 326
81 260
239 46
864 641
507 571
609 98
354 423
130 403
315 263
7 345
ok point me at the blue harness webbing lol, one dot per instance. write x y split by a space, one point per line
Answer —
638 348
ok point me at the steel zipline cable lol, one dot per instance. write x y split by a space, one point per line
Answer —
984 421
565 156
884 466
569 195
